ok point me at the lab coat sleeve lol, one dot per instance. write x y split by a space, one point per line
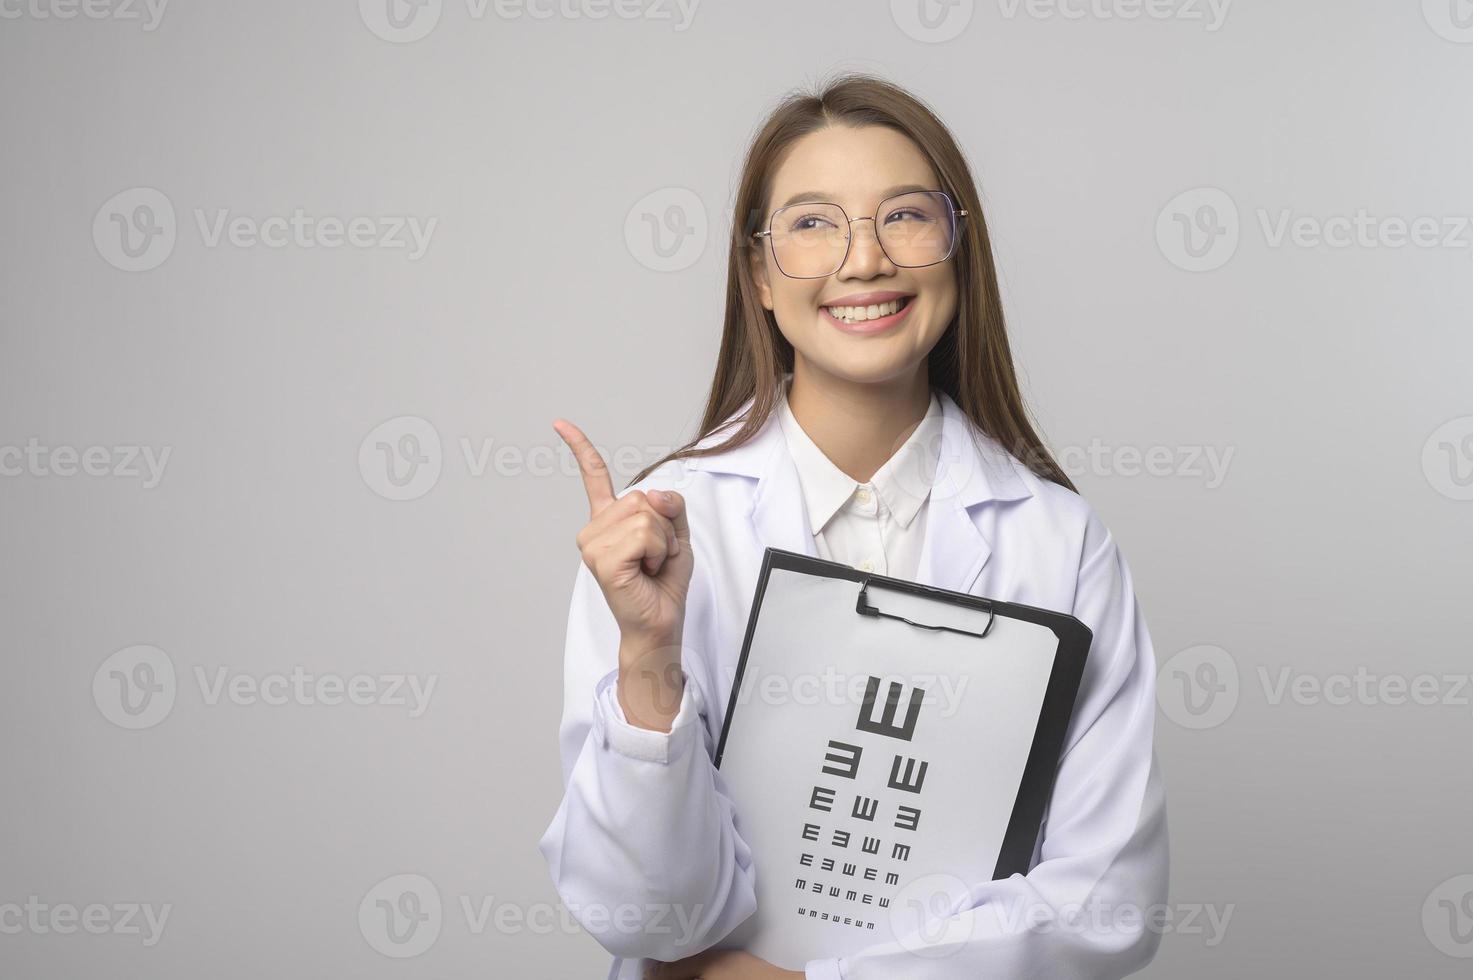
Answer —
643 849
1092 906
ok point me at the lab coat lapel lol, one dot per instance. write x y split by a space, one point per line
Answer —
954 549
779 516
776 515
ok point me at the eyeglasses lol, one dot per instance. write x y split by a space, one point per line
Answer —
914 230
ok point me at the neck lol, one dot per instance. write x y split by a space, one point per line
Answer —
858 425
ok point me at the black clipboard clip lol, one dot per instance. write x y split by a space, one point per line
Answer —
863 607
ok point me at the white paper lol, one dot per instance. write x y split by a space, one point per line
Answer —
810 662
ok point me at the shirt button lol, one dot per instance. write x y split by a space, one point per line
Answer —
862 495
867 565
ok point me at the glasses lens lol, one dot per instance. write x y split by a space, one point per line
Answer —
808 240
916 229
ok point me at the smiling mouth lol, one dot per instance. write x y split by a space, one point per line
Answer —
876 311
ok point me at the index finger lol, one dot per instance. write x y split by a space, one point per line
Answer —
596 482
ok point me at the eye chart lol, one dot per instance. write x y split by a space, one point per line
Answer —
878 766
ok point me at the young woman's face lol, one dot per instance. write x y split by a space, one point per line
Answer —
856 168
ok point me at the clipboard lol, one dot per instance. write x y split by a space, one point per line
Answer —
886 743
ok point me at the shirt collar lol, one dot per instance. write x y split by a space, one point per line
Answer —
903 482
977 469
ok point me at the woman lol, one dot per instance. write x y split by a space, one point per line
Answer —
864 344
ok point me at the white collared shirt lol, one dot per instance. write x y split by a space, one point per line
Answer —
876 526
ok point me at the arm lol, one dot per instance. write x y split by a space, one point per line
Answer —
1103 856
643 848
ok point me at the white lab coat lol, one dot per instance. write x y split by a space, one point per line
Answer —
646 850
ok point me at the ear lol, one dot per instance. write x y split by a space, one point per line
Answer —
758 261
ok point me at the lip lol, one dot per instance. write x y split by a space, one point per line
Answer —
866 299
870 326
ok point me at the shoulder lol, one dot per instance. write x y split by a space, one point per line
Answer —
704 493
1049 511
1072 560
673 474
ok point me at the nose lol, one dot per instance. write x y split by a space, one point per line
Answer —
866 259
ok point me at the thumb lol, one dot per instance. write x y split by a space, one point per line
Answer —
672 505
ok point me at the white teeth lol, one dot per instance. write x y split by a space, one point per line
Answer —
858 314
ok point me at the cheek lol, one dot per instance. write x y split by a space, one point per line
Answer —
944 294
795 297
788 309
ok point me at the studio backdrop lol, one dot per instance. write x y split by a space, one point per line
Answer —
292 293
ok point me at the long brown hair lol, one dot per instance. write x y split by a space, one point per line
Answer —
972 361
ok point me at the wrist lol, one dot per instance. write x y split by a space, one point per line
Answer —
655 646
650 687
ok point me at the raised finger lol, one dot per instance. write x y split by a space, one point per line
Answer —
596 481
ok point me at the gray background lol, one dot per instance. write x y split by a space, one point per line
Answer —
1337 539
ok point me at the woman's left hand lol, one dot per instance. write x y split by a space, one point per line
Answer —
724 964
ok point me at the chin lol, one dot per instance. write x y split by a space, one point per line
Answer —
874 366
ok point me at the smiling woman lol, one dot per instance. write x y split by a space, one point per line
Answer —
864 409
798 304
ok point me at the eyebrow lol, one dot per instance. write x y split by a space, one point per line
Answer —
810 197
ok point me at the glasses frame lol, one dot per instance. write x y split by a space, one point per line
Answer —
956 215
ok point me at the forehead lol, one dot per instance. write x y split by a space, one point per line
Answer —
854 167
